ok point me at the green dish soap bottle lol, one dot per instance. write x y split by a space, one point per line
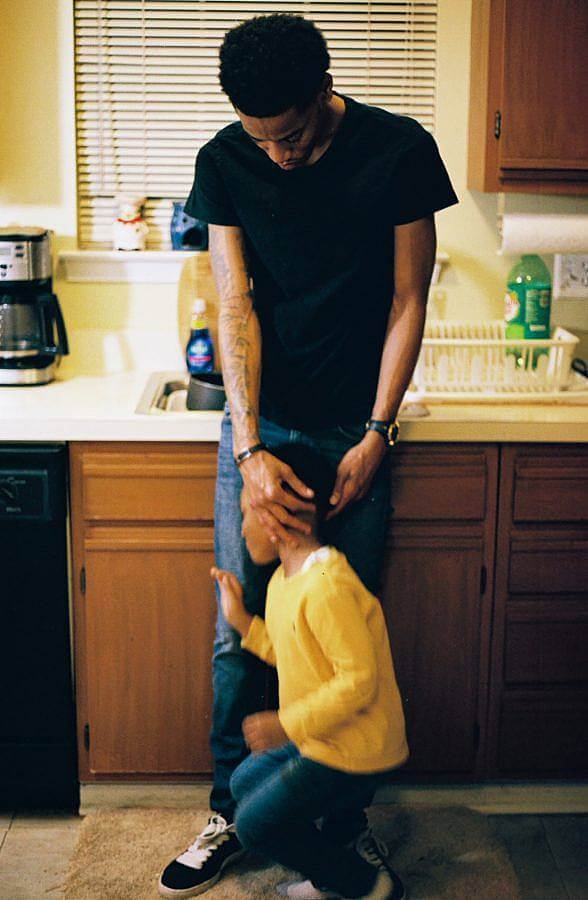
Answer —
528 304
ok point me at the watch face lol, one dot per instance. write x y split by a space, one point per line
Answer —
393 430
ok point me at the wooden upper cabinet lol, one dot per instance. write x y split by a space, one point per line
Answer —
528 128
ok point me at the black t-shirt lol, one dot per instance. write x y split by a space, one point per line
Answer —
320 245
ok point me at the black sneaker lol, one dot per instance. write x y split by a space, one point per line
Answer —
375 851
372 848
201 864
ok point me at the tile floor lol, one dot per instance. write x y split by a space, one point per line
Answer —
549 854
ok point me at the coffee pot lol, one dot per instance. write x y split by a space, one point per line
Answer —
32 331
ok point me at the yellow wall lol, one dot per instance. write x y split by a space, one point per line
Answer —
37 186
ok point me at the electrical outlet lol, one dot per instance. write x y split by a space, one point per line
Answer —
570 276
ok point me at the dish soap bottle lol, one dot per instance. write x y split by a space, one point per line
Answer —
528 304
199 349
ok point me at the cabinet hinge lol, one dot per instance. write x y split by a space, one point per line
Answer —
497 123
476 736
87 736
483 580
83 580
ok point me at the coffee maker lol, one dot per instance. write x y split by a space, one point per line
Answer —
32 332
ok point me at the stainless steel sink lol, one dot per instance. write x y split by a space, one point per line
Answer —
165 392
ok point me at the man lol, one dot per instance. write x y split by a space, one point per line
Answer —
322 241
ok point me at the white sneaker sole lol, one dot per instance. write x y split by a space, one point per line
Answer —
283 887
165 891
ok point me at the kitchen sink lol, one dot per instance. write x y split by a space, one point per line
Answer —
165 392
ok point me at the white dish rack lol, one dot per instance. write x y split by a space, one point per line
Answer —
475 362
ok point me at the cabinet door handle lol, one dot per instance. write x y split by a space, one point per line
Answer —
483 580
497 123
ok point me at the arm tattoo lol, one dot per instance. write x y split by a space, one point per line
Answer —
239 332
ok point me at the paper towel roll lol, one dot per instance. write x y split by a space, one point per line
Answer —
556 233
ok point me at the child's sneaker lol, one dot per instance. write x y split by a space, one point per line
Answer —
304 890
371 848
201 865
388 886
374 850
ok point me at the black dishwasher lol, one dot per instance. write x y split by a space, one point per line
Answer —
38 766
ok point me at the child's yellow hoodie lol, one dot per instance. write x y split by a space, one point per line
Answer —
326 635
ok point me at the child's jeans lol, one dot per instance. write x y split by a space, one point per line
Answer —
280 794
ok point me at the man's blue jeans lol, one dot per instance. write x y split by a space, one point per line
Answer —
280 795
239 678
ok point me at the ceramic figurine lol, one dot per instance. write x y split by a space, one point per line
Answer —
129 229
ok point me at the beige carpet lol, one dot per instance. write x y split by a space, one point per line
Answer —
440 852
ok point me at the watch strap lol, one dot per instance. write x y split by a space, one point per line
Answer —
248 453
377 425
388 430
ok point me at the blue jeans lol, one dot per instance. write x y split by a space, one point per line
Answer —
238 678
280 795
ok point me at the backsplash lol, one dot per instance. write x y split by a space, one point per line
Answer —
120 327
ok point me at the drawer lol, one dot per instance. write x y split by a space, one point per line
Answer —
431 483
543 565
149 486
545 734
551 485
549 651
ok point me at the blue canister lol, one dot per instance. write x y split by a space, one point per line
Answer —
186 232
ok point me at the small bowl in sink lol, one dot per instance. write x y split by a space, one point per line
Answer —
206 391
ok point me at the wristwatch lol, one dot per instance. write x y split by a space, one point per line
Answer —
388 430
248 453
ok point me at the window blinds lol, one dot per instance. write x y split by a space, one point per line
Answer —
147 91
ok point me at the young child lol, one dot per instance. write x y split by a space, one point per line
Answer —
339 725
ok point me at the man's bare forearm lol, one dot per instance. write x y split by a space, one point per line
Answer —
239 332
415 247
401 350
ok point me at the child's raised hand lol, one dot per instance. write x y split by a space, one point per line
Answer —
232 599
263 731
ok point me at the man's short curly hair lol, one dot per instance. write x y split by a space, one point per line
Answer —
270 63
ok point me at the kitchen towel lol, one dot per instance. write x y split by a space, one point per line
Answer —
553 233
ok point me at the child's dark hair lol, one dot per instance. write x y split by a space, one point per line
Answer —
270 63
315 471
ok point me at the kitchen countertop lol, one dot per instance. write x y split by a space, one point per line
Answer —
102 408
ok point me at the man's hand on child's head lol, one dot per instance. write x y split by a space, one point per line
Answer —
232 600
263 731
267 480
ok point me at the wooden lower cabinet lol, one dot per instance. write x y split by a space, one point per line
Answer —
435 631
538 709
437 595
144 608
457 612
149 611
